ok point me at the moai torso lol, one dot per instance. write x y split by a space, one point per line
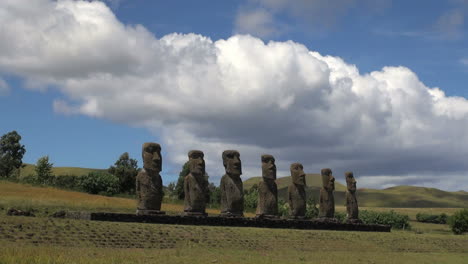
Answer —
232 196
149 190
267 205
351 205
232 191
351 201
267 199
195 194
195 185
296 192
327 204
326 199
297 200
148 182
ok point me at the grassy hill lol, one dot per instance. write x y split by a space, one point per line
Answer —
29 170
399 196
312 180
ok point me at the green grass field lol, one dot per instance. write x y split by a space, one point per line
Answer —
43 239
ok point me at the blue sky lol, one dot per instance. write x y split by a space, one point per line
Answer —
83 86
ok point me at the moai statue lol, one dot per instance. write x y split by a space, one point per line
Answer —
351 201
232 193
267 206
148 181
195 185
327 201
296 192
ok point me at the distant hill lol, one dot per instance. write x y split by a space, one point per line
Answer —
398 196
29 169
312 180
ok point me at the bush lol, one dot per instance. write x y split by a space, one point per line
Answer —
283 208
251 199
99 183
458 222
67 182
341 217
397 221
29 179
311 209
428 218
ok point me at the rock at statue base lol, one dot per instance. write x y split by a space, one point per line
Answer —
149 212
232 192
194 214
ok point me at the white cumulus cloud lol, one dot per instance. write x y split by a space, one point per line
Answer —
238 93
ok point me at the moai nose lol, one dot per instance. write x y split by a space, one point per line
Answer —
156 157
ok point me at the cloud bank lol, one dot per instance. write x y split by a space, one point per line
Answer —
239 93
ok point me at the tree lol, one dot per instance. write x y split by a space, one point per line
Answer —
44 171
179 189
126 170
11 153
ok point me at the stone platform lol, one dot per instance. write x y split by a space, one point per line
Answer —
314 224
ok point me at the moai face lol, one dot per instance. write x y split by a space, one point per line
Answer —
196 162
350 182
268 167
297 174
232 162
328 181
151 154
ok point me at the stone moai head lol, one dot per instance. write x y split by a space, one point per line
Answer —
268 167
151 153
297 174
350 181
328 181
196 162
232 162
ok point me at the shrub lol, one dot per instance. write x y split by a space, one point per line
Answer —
341 217
458 222
29 179
428 218
283 208
251 199
67 182
311 209
397 221
99 183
